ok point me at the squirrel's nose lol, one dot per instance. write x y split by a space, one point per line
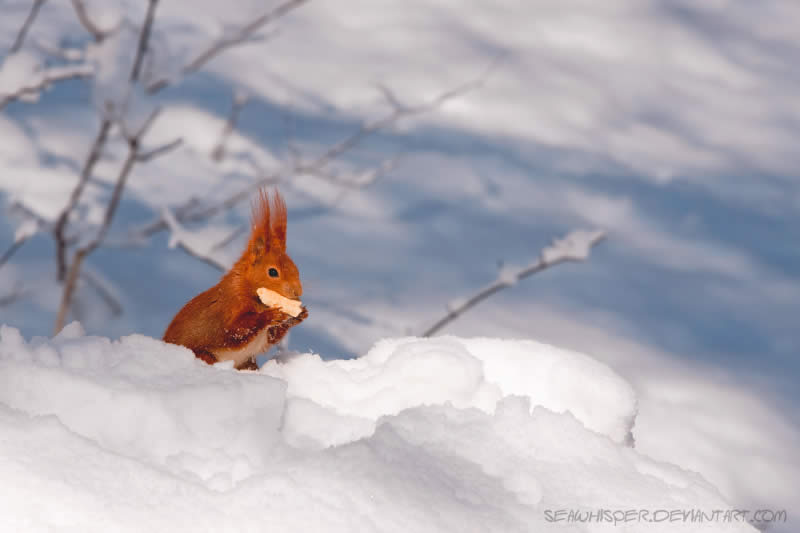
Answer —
294 293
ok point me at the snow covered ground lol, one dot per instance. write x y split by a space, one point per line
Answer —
441 434
670 124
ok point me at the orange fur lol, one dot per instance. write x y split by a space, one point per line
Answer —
228 321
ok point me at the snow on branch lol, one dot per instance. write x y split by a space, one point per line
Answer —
575 246
25 231
133 139
21 76
229 39
194 245
87 22
30 88
319 165
11 250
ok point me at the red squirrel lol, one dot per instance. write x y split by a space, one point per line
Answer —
229 321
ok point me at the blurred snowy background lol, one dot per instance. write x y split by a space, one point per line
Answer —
671 125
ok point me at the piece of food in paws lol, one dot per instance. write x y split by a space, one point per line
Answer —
273 299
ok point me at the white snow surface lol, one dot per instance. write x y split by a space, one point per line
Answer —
447 434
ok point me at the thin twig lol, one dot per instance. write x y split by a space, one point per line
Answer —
229 238
181 243
144 40
207 259
574 247
25 231
140 131
49 77
59 230
64 53
239 101
134 145
187 213
86 21
102 289
16 245
23 31
158 151
361 180
83 252
241 36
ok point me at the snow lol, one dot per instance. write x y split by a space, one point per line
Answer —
27 229
574 246
671 125
444 434
22 74
398 374
16 69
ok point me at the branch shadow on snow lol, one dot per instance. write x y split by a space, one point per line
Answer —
463 202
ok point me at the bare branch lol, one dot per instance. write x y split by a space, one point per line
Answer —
390 97
229 239
63 53
9 253
240 100
317 166
179 239
122 178
143 128
363 179
207 259
399 111
189 212
144 40
240 36
83 252
38 219
134 144
575 246
86 21
23 31
59 230
144 157
44 80
289 128
25 231
103 290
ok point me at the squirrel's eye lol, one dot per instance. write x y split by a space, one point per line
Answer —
273 272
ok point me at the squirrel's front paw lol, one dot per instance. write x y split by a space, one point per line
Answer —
278 330
294 320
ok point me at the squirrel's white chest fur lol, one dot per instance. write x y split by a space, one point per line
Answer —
259 344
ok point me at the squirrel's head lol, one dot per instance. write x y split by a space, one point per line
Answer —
264 262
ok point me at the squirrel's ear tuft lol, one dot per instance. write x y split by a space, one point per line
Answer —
260 223
278 222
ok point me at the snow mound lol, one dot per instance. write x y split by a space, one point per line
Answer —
145 399
398 374
441 434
